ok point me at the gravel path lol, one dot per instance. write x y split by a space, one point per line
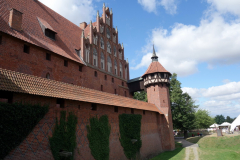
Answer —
190 147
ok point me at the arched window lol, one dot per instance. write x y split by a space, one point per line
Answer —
126 71
120 68
95 57
109 64
87 53
48 76
115 51
108 33
102 43
108 47
115 67
120 54
101 28
95 38
102 61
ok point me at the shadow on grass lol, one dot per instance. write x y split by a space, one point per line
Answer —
194 139
178 154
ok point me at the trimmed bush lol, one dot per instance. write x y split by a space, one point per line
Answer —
98 137
64 136
130 134
16 122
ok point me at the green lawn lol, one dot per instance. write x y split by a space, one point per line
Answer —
220 148
177 154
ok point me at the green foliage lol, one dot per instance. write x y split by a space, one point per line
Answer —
16 122
229 119
219 119
64 135
203 119
182 107
98 137
140 95
130 128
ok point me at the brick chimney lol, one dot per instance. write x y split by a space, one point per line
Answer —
83 25
15 19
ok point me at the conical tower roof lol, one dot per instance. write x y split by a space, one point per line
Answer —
155 66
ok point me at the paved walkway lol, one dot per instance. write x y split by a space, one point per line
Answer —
190 147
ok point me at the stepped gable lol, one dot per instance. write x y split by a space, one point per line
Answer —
68 35
28 84
155 67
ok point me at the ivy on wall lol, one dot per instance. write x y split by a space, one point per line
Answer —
98 137
64 136
16 122
130 134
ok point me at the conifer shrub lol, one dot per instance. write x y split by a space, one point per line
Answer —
98 137
64 136
130 134
16 122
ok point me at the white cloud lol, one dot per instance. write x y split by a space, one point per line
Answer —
226 6
74 10
151 5
226 81
182 48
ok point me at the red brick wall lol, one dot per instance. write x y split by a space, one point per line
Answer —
36 145
13 58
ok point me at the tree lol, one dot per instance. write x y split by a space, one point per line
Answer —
229 119
203 119
182 107
140 95
219 119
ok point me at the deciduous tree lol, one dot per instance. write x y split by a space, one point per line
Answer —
203 119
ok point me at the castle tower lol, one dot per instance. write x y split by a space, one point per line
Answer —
156 81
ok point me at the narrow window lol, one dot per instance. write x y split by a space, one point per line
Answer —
163 101
125 93
94 107
65 63
48 76
132 110
115 108
122 83
143 112
0 39
112 80
115 91
80 68
26 48
48 56
101 87
95 73
105 77
115 71
78 106
60 102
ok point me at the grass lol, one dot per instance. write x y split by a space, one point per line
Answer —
191 154
220 148
177 154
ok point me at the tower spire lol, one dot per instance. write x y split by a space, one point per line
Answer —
154 56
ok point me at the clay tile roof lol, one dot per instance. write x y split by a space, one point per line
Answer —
155 67
68 34
24 83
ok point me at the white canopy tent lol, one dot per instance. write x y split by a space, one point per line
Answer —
214 125
225 124
235 123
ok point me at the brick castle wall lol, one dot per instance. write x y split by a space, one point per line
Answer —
36 145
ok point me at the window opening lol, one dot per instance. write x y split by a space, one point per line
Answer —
105 77
94 107
143 112
80 68
61 102
115 108
65 63
95 73
26 48
48 56
101 87
132 110
50 34
48 76
112 80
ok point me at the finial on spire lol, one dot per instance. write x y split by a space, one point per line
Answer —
127 61
111 11
116 29
97 13
154 56
103 5
122 45
83 33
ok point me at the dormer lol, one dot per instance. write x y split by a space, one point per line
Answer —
47 29
15 19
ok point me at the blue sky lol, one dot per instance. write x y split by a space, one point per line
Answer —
197 39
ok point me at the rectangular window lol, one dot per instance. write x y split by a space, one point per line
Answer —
115 91
49 34
61 102
125 93
143 112
112 80
102 65
101 87
95 73
115 71
122 83
26 48
115 108
94 107
132 110
94 62
48 56
80 68
65 63
105 77
0 39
